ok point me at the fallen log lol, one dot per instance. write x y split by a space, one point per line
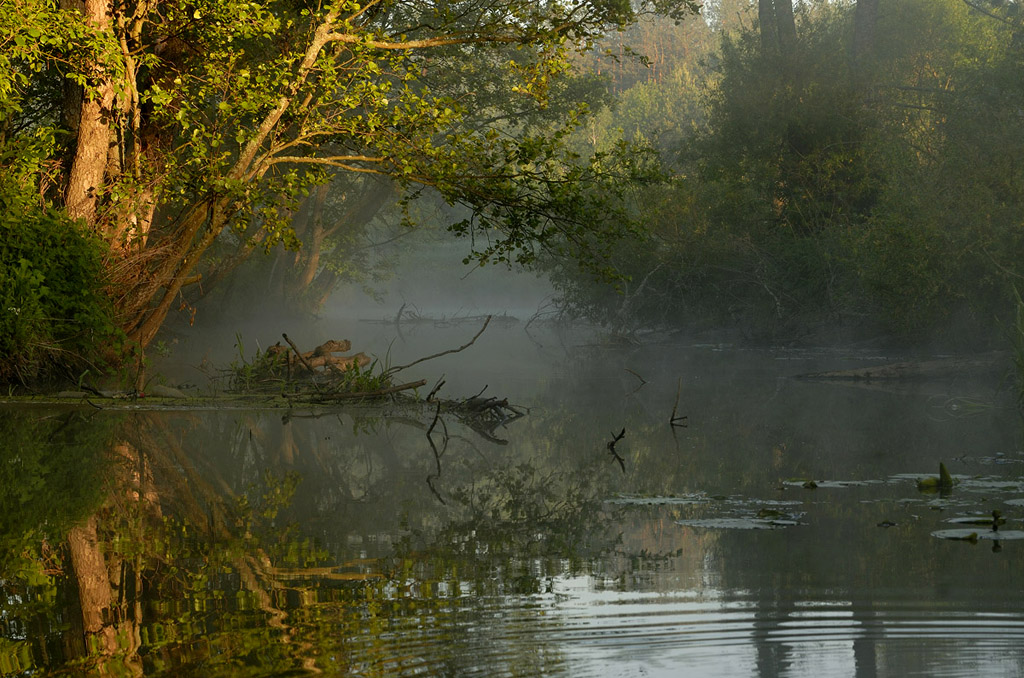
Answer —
320 357
325 397
340 363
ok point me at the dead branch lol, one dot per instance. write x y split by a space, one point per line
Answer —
393 370
301 358
674 421
485 415
437 455
437 387
437 415
643 382
611 448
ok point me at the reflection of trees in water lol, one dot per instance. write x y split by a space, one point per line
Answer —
235 543
199 551
751 425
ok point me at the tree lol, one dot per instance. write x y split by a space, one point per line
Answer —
871 180
186 121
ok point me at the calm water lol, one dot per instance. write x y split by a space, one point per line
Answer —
270 542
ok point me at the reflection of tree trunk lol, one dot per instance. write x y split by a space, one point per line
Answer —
94 590
773 612
109 587
109 628
865 657
288 447
109 555
206 510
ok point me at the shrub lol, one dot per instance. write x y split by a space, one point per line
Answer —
53 308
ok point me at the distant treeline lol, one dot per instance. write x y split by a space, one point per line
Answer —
858 169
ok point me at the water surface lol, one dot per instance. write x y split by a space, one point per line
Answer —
254 542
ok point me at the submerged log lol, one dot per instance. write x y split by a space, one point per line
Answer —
916 370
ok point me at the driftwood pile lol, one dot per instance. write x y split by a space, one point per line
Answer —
486 415
327 374
322 359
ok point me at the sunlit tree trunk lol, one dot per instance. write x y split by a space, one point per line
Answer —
92 145
306 278
307 259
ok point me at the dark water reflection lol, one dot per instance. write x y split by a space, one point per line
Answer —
241 543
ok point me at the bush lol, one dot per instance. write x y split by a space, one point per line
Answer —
53 308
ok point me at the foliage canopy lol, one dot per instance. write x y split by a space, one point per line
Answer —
168 126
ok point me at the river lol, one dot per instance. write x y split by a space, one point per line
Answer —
777 530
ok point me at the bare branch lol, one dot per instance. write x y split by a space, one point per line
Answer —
438 355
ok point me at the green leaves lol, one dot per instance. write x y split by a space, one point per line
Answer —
51 298
223 113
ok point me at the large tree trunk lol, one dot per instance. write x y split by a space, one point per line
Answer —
93 143
786 23
312 240
778 27
307 280
768 28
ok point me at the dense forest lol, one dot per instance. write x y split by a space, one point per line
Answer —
847 171
795 171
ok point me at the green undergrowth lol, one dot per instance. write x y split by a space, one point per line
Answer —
54 312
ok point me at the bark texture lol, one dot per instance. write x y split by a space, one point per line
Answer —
92 146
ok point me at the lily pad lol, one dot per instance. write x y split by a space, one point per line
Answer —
967 534
741 523
983 520
750 502
989 484
829 484
637 500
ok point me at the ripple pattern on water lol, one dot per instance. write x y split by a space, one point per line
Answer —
578 629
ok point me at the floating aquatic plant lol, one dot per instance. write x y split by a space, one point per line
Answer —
943 483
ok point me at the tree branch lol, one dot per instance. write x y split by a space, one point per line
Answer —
393 370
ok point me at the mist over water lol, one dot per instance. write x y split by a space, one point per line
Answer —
780 532
443 302
534 552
